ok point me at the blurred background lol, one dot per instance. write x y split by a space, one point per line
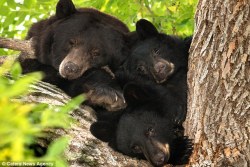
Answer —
169 16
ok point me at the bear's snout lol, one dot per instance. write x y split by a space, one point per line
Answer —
70 70
160 67
162 70
160 159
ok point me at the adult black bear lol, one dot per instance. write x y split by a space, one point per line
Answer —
149 127
75 40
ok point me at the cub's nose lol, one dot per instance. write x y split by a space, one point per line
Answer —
160 67
71 68
160 159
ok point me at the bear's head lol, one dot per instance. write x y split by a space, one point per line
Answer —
80 39
157 56
150 127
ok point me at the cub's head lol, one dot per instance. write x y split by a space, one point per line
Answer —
157 56
150 127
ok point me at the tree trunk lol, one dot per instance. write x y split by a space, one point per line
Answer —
219 84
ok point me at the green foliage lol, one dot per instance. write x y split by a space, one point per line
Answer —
169 16
22 122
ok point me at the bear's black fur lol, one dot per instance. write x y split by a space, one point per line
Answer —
75 40
149 127
155 88
159 57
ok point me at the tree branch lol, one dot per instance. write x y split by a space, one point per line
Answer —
24 46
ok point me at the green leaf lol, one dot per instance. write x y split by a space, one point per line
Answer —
21 86
11 4
16 71
2 3
73 104
57 147
4 11
29 3
9 20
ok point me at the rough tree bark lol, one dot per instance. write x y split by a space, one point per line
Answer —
84 150
19 45
219 84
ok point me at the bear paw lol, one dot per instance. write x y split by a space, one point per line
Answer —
109 98
183 148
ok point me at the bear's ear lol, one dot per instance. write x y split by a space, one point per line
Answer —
65 8
138 93
145 29
103 130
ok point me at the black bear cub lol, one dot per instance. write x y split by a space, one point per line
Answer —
159 57
149 127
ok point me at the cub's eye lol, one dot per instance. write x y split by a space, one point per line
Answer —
136 149
95 53
156 51
150 131
72 42
141 69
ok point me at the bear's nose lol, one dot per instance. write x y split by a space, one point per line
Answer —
70 68
159 159
160 67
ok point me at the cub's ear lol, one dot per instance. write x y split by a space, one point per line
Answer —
103 130
65 8
145 29
139 93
